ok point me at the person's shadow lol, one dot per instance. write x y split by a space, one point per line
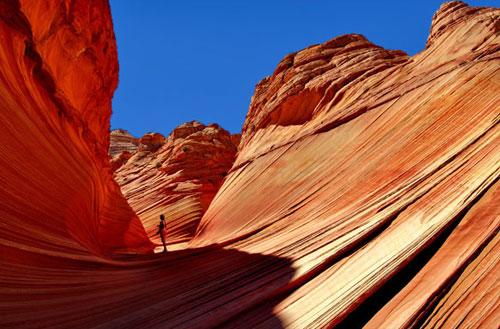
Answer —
201 288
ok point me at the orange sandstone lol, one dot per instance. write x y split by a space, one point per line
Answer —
364 191
59 71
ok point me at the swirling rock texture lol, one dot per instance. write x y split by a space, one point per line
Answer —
59 71
364 192
372 158
177 176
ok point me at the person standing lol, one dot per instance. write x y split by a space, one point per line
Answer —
161 232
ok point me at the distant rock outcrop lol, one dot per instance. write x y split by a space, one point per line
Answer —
177 176
120 141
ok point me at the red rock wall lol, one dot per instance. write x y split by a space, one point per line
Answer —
371 199
59 70
76 42
369 156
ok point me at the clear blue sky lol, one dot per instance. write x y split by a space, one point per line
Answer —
200 60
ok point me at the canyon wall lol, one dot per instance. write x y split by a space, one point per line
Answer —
364 191
59 71
371 158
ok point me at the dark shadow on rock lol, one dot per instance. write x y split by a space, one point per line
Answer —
191 288
214 287
366 310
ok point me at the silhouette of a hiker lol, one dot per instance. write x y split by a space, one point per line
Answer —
161 232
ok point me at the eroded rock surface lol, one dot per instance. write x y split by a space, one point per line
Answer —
371 157
364 191
58 74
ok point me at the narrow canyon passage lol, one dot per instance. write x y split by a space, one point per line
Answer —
363 192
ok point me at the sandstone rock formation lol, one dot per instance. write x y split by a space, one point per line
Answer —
364 192
58 74
177 176
121 141
371 158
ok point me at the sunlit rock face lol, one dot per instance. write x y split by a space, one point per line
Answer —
364 191
177 176
121 141
357 163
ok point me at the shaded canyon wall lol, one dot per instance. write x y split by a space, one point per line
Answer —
59 71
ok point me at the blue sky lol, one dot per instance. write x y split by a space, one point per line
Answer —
200 60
